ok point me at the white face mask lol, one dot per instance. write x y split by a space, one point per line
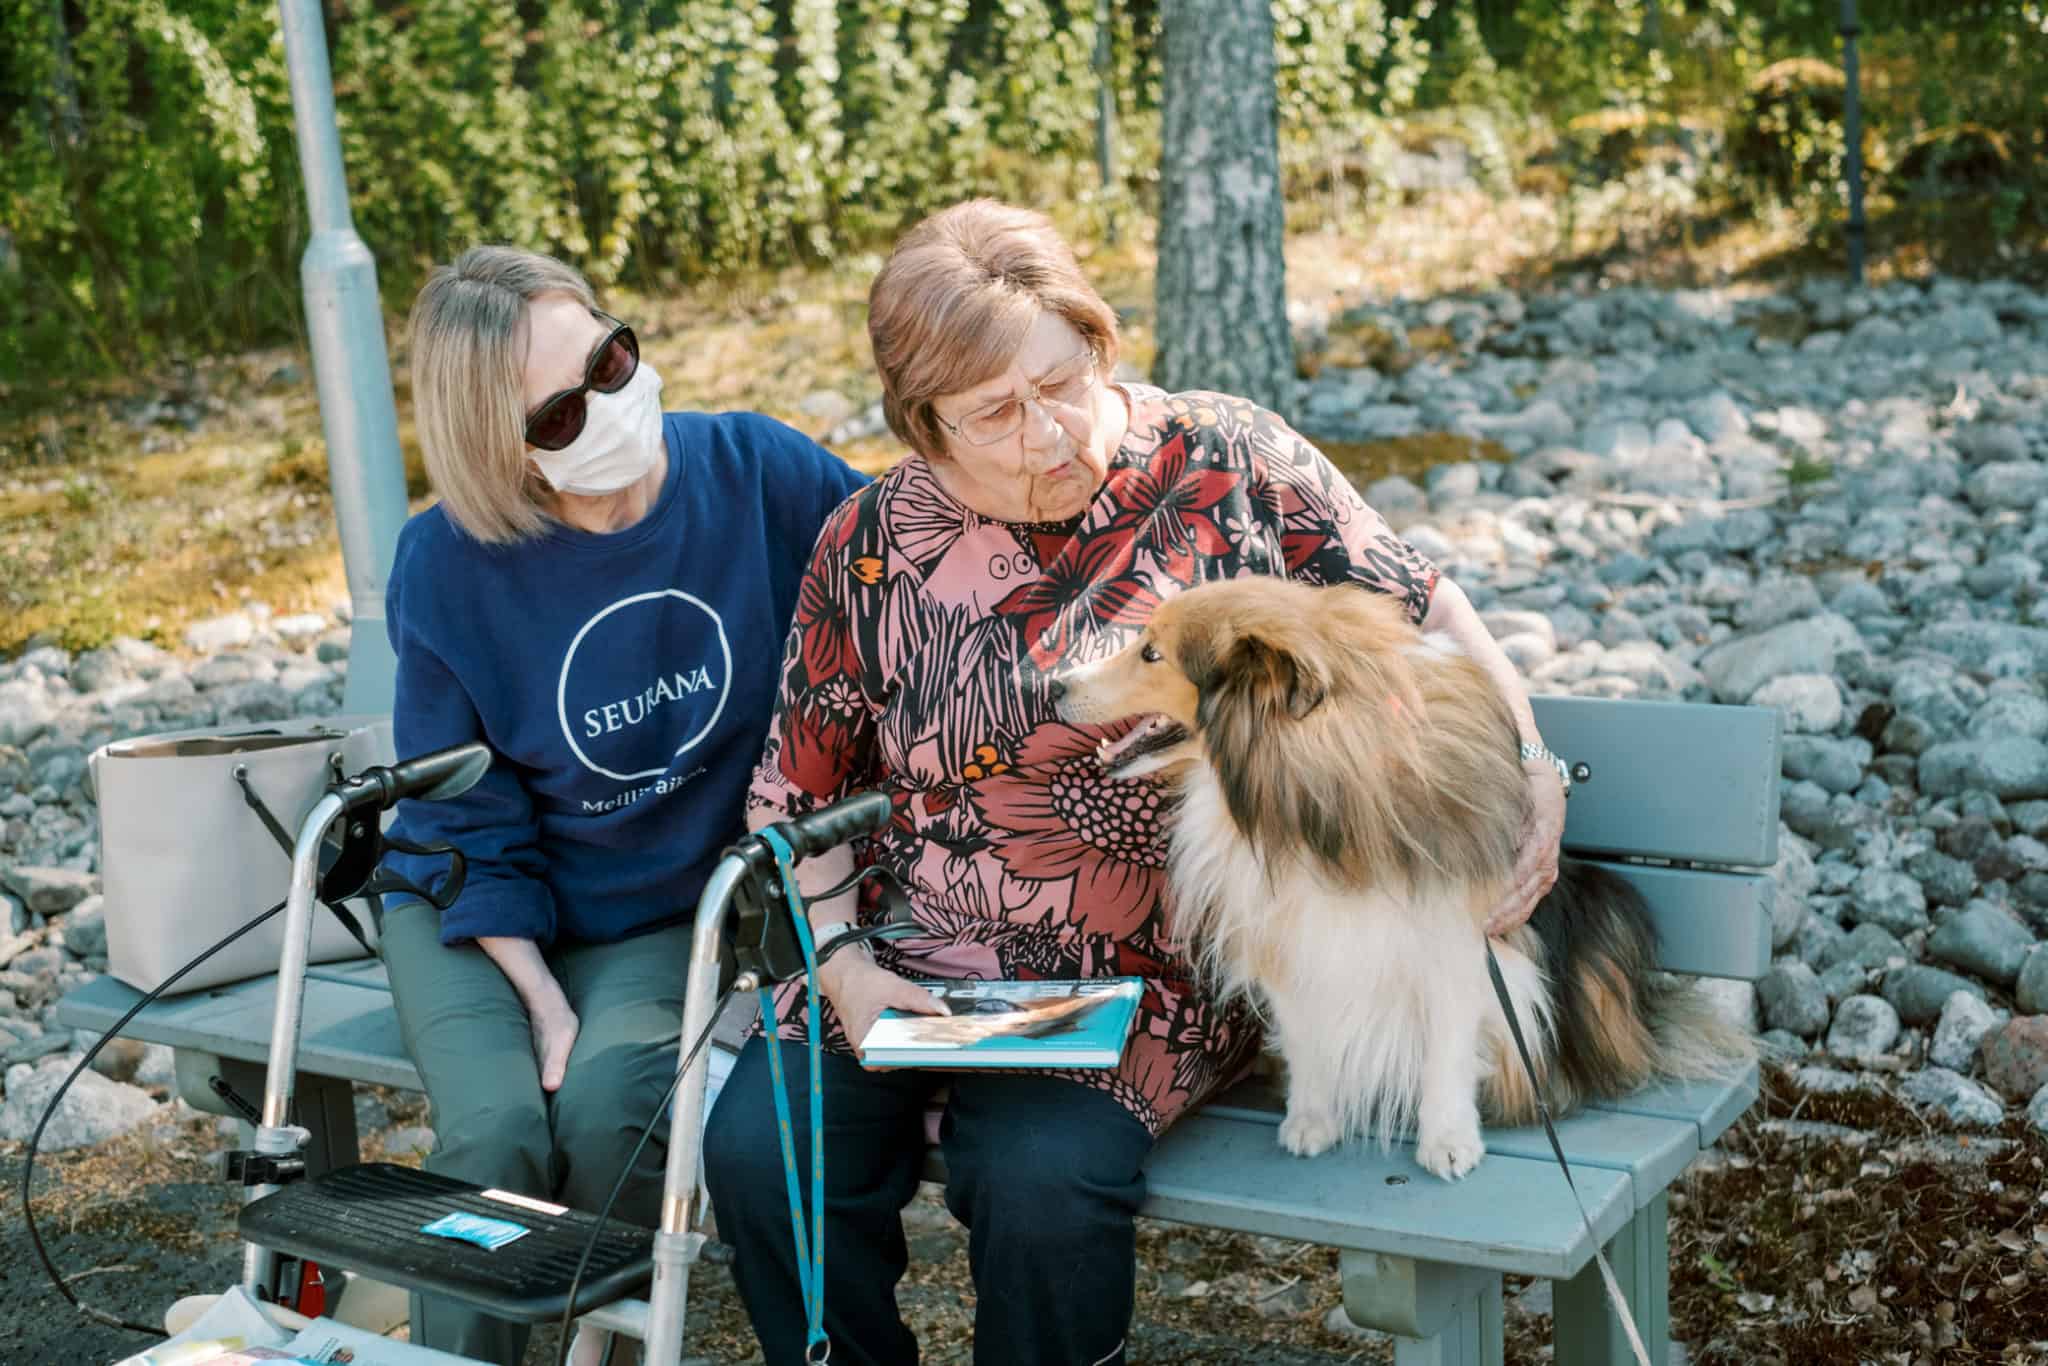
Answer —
620 443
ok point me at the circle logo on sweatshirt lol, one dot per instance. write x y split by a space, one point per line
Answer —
643 683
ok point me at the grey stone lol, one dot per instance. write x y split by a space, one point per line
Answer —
46 890
1965 1020
1845 979
1909 735
1793 999
2012 766
1962 1100
1890 900
1872 946
1918 992
2030 991
1836 765
1865 1028
26 710
2008 484
1791 879
216 634
94 1109
1974 644
226 670
261 700
1985 443
85 928
1736 669
1810 703
1984 940
1946 881
1820 941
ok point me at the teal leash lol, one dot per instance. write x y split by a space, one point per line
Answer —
810 1251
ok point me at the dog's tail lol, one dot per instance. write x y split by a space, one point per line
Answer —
1617 1022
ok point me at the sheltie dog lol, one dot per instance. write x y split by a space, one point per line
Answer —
1350 801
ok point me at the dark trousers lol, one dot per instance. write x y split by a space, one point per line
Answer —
1044 1173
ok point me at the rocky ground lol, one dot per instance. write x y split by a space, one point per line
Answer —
1830 502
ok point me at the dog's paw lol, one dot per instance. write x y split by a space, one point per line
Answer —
1450 1156
1306 1134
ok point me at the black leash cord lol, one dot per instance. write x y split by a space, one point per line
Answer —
28 1165
626 1170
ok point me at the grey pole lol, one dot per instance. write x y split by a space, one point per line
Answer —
1852 129
345 323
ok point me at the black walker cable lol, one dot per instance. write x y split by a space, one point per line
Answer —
28 1165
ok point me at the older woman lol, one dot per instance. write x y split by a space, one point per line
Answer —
1044 512
599 595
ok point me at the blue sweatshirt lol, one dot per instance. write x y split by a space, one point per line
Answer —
622 680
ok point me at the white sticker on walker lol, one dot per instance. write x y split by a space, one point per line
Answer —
523 1201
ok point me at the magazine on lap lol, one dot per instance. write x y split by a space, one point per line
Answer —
1010 1024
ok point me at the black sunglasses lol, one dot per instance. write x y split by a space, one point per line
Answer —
560 417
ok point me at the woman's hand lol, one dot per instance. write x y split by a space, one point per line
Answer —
554 1034
1536 860
860 989
547 1009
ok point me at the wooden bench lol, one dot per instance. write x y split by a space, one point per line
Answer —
1681 798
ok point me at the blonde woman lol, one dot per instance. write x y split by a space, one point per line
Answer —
601 596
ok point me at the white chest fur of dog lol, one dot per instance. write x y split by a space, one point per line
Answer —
1381 1008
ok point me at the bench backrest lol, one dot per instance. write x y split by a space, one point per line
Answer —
1680 798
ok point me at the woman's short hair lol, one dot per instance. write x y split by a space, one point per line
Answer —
468 348
955 299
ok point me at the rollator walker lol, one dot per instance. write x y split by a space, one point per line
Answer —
365 1220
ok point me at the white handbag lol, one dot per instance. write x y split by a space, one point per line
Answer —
185 858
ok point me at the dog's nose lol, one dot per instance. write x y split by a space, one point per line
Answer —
1057 689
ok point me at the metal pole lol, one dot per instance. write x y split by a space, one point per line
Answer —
676 1244
345 323
1852 128
287 1018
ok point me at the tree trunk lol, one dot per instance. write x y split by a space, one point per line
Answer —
1222 283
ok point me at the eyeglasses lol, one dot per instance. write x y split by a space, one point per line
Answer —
559 418
1064 386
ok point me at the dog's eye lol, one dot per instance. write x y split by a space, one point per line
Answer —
1150 654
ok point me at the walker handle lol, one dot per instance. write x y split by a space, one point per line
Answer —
864 813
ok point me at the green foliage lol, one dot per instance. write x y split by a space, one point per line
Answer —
150 200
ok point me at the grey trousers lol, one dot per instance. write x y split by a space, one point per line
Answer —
468 1034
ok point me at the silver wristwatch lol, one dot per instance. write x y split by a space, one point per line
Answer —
1564 770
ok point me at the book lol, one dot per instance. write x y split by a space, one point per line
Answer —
1010 1024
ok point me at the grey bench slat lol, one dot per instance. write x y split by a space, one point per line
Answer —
1674 780
1708 924
1651 1149
1229 1173
350 1030
1710 1105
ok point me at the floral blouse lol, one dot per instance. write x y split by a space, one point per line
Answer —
918 661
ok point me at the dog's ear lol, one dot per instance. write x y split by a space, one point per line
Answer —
1255 669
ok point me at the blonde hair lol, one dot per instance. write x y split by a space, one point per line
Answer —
955 299
468 346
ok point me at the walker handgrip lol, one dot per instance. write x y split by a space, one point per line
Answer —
864 813
431 777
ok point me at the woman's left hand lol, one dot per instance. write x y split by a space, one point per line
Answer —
1536 862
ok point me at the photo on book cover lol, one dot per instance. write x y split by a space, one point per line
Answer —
1010 1024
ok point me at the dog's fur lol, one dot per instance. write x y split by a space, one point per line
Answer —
1351 799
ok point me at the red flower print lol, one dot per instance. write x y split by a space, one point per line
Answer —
1054 815
1171 505
1092 585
